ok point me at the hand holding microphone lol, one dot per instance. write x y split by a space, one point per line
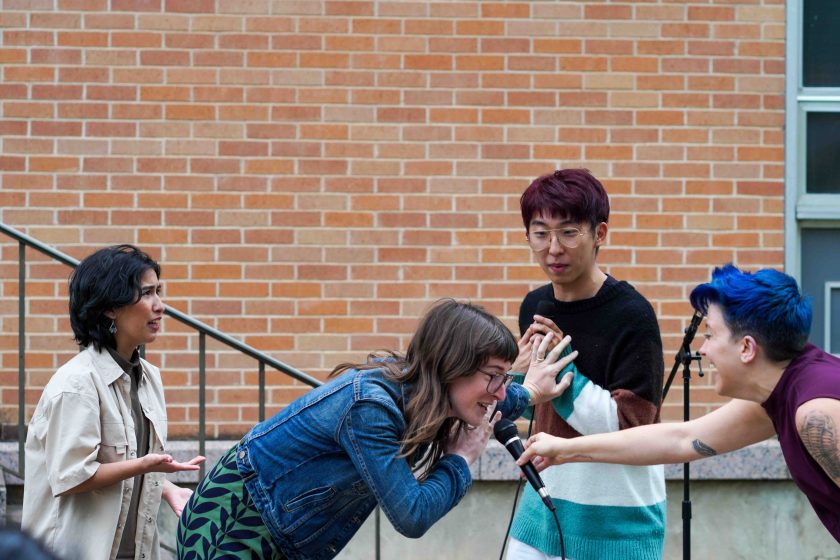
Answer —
541 326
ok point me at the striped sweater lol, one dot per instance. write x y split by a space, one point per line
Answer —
606 511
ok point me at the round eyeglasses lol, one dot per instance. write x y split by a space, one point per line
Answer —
540 239
497 380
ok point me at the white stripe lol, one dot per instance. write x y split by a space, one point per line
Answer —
600 484
595 411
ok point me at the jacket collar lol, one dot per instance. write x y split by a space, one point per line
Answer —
106 366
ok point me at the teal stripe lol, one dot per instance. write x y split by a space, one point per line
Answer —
564 405
592 532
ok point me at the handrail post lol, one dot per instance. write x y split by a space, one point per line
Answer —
262 390
203 330
202 399
21 356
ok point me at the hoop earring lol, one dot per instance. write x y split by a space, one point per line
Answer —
113 328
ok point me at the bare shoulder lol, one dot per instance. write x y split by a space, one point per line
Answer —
818 423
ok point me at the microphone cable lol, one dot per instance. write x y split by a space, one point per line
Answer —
513 512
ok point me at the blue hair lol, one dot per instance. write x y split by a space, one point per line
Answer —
766 305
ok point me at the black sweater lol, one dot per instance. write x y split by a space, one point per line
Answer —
619 349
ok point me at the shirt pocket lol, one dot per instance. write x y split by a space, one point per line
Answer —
158 424
113 446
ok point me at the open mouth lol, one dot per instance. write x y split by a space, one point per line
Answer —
486 406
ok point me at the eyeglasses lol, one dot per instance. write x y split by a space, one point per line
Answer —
540 239
497 380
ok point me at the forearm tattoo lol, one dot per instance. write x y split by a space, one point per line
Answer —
703 449
819 435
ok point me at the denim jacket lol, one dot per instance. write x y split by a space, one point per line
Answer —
317 469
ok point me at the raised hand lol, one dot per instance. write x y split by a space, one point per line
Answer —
541 378
469 443
538 329
155 462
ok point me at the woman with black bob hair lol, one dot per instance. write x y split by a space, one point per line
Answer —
95 449
398 430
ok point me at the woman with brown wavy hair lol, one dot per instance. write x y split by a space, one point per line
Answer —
397 431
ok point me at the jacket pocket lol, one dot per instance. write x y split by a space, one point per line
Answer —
310 498
114 446
325 520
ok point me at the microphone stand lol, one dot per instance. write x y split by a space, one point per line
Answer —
684 357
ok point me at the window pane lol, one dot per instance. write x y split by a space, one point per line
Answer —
822 152
817 271
820 62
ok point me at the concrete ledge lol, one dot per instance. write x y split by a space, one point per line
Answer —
762 461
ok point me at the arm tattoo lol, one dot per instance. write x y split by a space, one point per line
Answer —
819 435
703 449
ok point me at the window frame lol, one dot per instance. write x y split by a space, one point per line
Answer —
802 210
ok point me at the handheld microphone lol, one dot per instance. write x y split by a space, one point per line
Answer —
507 434
545 308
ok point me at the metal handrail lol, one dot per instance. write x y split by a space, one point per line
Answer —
203 329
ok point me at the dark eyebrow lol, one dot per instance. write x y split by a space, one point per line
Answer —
564 224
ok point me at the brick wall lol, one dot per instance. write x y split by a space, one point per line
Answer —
313 174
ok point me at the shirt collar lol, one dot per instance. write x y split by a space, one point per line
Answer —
106 365
127 365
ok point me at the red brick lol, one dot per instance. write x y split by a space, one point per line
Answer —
254 144
136 5
505 10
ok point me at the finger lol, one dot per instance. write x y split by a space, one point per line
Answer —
541 463
538 328
496 417
564 384
566 360
547 323
535 342
197 460
489 413
559 346
526 456
529 332
543 348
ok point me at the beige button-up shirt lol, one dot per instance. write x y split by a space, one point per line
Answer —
83 420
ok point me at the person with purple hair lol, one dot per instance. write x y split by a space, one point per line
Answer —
605 511
757 338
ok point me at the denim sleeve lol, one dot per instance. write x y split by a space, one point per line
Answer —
516 400
370 434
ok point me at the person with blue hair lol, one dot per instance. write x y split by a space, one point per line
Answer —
757 338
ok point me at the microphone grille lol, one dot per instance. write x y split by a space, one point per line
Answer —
545 308
505 429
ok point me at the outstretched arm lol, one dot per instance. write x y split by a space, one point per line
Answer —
111 473
818 422
734 425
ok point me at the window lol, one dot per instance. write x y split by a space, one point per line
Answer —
820 43
812 160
